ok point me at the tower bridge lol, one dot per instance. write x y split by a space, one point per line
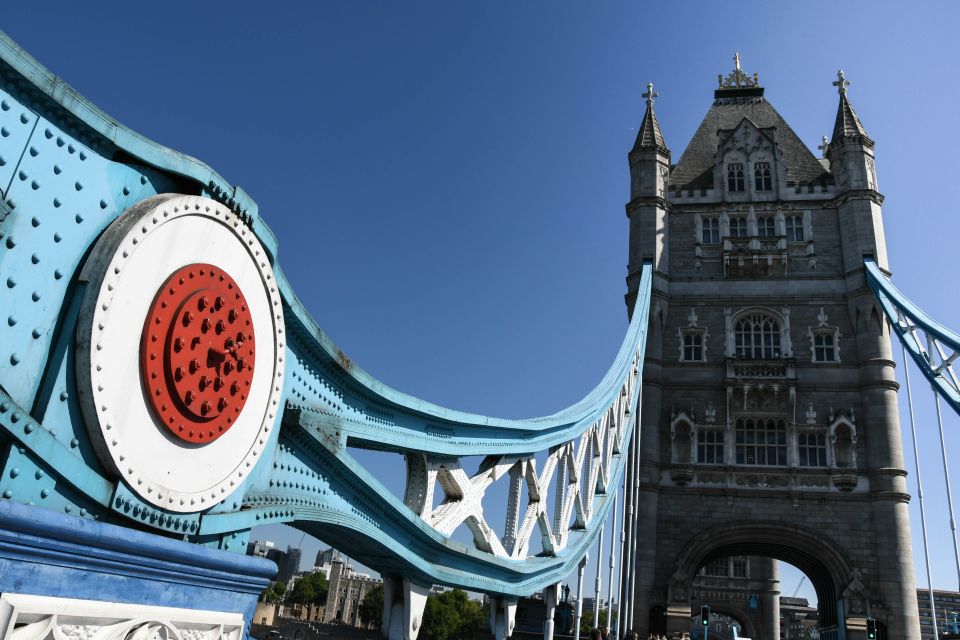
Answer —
163 391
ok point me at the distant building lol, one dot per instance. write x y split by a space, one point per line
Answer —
947 605
797 618
325 558
532 611
347 590
259 548
288 562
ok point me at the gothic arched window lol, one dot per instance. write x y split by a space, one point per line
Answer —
761 441
761 176
766 226
709 446
738 227
794 228
735 176
812 449
757 336
711 230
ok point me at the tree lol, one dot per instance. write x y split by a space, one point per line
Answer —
451 615
310 588
440 620
275 592
586 622
371 609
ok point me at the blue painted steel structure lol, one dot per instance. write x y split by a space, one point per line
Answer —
931 345
72 180
67 174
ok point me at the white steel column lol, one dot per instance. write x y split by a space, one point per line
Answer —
579 611
625 579
551 595
946 480
635 499
923 519
597 581
621 592
613 563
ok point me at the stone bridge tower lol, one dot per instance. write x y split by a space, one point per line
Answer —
769 422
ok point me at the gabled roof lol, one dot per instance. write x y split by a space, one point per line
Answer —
723 135
695 168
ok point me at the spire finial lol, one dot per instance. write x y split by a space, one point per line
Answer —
738 79
841 83
825 144
650 95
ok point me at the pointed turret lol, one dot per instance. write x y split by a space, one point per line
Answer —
649 171
650 136
851 149
847 127
852 164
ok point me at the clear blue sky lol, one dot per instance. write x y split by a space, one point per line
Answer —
447 179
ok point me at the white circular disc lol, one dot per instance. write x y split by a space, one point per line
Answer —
150 243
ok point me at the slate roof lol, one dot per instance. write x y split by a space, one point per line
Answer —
649 135
695 168
847 125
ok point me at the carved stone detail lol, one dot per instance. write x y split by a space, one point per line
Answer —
29 617
763 481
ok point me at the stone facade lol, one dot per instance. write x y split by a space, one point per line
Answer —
769 419
346 593
745 590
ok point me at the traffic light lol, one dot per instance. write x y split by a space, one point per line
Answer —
871 629
705 615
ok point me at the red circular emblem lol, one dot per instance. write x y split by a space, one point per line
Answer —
197 353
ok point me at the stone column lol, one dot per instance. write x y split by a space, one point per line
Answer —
768 591
879 426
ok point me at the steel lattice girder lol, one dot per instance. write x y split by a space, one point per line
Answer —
85 203
931 345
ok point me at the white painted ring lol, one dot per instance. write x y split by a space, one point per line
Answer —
162 469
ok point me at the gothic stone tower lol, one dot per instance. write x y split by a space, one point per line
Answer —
769 422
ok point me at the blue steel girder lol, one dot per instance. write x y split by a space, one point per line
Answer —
931 345
75 186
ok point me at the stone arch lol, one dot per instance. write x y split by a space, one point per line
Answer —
747 626
827 568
